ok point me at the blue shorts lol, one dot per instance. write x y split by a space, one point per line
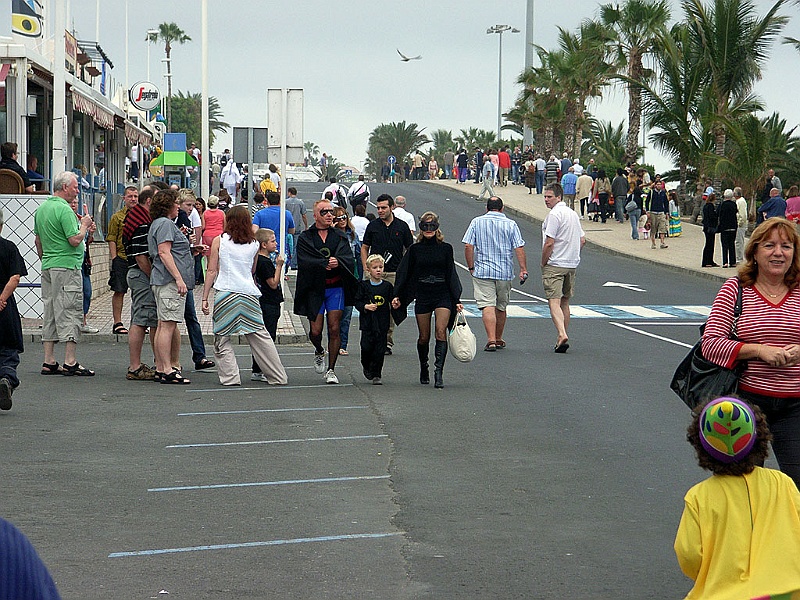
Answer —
334 300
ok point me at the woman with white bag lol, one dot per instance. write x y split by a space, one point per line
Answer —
428 275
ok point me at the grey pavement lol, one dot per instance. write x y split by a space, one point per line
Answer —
684 252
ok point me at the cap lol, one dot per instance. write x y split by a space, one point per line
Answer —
727 429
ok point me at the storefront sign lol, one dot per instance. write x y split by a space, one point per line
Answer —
144 95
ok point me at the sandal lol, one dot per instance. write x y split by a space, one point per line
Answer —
77 369
490 347
343 352
158 376
53 369
176 377
203 364
501 345
119 329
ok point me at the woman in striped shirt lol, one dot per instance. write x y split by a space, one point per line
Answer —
768 334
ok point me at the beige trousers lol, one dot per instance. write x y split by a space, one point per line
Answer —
262 348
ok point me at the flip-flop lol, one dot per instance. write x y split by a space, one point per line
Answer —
561 348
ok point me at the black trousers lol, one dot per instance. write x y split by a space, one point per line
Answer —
728 239
783 418
373 347
708 249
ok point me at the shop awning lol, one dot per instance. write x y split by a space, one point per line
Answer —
174 159
136 135
100 115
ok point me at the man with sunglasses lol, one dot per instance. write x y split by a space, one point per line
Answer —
390 237
325 284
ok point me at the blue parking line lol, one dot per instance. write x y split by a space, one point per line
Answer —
326 538
218 486
268 410
289 441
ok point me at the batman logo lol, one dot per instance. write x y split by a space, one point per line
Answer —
379 300
326 252
24 18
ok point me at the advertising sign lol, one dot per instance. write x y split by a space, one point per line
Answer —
144 95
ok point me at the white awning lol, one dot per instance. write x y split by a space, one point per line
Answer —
100 115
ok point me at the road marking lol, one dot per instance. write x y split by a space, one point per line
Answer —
669 324
217 486
513 289
282 355
287 441
626 286
517 311
581 312
653 335
327 538
702 310
643 311
238 388
267 410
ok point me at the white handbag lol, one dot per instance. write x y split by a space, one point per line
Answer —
462 342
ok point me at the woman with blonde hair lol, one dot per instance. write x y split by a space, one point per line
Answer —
341 221
428 275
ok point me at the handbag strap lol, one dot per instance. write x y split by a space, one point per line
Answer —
737 310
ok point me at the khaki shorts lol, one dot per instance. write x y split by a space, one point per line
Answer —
658 224
143 303
170 305
558 282
491 292
62 295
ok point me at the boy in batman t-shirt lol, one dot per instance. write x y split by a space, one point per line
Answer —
372 301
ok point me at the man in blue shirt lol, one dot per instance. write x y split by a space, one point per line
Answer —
569 182
774 207
491 241
269 217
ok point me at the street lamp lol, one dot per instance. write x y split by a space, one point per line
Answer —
150 39
500 29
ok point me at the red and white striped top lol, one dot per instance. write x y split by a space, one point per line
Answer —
761 322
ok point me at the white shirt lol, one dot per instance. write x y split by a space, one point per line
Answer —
360 226
194 217
332 188
276 179
402 214
236 267
562 224
741 212
540 164
577 168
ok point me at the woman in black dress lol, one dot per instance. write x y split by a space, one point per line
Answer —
428 275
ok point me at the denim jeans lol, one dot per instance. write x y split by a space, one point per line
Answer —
9 361
515 173
619 208
344 326
539 181
634 216
87 292
193 328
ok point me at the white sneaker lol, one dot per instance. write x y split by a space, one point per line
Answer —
319 363
330 377
259 377
89 329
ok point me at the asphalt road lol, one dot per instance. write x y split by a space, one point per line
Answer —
531 475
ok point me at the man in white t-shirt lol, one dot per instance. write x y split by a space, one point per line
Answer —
562 240
401 213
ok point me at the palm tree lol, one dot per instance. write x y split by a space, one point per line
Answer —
635 27
734 44
442 142
394 139
188 116
542 101
169 33
312 152
476 138
606 143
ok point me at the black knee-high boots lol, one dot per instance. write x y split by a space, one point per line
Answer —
440 353
424 373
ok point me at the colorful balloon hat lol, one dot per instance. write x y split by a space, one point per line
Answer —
727 429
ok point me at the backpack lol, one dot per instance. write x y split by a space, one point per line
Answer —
531 169
340 197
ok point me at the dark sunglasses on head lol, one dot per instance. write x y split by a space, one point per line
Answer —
428 226
326 211
340 218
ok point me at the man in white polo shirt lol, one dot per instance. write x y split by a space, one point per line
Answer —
562 240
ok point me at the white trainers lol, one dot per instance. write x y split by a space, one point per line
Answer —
259 377
330 377
88 329
319 363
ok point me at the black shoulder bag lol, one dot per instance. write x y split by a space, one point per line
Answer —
697 379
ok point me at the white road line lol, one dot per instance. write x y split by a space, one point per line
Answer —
513 310
218 486
642 311
582 312
236 388
286 441
648 323
653 335
700 310
267 410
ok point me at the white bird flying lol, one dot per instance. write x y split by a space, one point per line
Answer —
405 58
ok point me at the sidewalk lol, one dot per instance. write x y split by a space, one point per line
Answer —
290 327
684 252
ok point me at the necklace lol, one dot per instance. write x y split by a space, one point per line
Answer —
763 288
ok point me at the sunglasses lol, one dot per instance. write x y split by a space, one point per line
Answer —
326 211
429 226
340 218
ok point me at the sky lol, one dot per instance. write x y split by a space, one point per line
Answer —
344 56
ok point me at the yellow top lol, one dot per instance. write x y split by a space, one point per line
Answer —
739 536
268 186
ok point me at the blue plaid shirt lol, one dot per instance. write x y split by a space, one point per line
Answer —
495 237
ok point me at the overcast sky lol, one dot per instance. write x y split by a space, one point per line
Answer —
343 54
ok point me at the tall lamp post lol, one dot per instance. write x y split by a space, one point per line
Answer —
500 30
527 133
151 33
